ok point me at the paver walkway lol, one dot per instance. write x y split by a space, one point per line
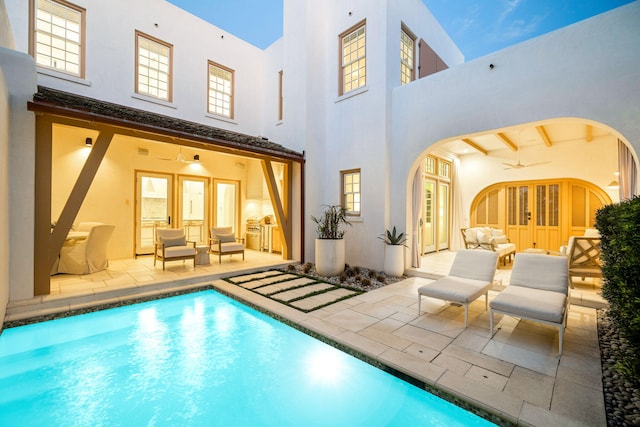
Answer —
303 293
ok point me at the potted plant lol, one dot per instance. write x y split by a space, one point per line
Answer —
394 252
330 248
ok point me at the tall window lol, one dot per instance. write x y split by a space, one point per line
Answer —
220 90
407 43
58 36
351 191
353 59
153 67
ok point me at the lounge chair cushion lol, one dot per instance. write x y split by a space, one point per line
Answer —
543 272
173 241
231 246
224 238
178 251
455 289
531 303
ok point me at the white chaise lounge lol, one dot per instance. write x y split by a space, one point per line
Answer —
471 276
538 291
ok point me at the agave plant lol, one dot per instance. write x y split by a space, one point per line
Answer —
391 237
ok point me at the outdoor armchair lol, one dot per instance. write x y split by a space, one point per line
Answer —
172 245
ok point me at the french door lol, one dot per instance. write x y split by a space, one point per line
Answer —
226 199
154 204
193 207
533 215
435 226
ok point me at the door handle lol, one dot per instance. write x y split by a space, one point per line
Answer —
169 220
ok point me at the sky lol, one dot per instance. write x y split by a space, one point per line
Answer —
478 27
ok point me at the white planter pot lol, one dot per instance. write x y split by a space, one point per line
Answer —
394 260
330 257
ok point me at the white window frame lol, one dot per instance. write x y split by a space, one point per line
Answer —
154 69
407 56
352 191
220 91
353 65
57 36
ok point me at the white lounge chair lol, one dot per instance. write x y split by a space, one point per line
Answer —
471 275
538 291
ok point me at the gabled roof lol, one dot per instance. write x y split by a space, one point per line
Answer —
67 104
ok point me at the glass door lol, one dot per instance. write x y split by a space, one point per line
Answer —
443 216
429 226
154 196
227 204
193 207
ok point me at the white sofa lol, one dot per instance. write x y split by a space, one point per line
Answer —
487 238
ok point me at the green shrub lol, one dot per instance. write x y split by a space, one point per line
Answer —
619 225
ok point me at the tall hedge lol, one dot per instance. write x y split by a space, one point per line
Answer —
619 225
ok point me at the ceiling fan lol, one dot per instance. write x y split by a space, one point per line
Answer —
182 159
520 165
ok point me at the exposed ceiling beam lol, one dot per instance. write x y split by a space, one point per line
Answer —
543 134
589 133
507 141
475 146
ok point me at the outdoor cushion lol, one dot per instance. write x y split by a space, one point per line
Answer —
177 251
173 241
531 303
226 237
231 246
455 289
549 273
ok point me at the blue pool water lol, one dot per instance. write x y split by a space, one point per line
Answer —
198 359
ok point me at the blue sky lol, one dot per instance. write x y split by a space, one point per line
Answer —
478 27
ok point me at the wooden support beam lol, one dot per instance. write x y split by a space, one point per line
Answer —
42 207
509 143
589 136
475 146
277 201
543 134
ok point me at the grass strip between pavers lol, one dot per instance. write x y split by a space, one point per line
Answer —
297 276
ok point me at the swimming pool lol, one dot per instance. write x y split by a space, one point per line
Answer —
198 359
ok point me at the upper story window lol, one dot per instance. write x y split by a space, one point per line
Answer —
58 36
220 90
353 59
351 191
407 53
153 67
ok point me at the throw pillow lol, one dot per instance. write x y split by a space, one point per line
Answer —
226 238
484 237
174 241
471 235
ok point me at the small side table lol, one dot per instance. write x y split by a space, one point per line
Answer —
202 255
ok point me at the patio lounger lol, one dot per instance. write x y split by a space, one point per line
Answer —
538 291
471 275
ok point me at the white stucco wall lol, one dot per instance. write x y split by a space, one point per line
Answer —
19 74
4 196
110 60
351 131
588 70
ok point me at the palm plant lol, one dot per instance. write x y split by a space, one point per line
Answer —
328 224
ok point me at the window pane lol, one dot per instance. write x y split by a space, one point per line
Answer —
353 60
220 91
153 68
58 37
351 192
